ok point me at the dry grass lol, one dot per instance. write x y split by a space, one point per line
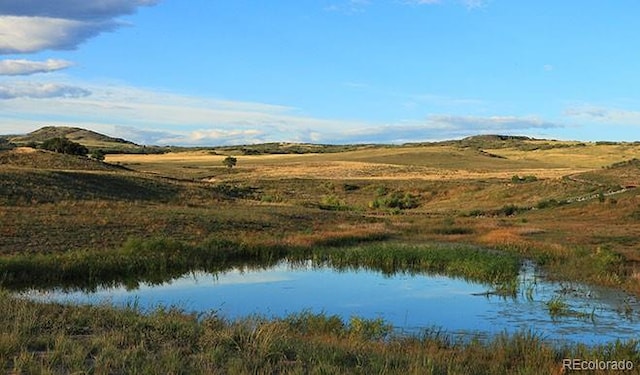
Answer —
429 163
585 157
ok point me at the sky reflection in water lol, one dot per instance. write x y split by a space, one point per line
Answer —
409 302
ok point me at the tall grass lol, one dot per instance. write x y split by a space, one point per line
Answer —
60 339
160 260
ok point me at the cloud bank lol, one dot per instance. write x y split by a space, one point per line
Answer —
149 116
28 26
604 115
40 91
27 67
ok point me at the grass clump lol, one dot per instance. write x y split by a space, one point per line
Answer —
557 307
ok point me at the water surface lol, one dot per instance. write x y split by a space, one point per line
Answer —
411 303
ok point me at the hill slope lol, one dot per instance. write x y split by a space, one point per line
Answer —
88 138
25 157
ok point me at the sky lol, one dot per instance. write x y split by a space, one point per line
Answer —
219 72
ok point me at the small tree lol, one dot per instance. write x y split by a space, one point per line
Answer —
230 162
64 146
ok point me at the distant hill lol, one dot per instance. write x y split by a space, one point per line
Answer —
79 135
497 141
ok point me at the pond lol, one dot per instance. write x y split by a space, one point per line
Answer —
562 313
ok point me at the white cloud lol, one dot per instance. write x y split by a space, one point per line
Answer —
16 90
26 67
28 26
150 116
438 127
33 34
607 115
491 124
159 117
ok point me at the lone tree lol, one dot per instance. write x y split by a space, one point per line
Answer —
230 162
64 146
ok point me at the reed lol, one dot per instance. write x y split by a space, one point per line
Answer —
159 260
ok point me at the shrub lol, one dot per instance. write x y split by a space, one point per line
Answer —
64 146
97 155
510 210
549 203
332 203
396 200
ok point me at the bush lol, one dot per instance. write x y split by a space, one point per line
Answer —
510 210
332 203
549 203
97 155
64 146
396 200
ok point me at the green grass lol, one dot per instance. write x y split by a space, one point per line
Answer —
160 260
60 339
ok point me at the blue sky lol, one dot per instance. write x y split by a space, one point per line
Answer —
205 72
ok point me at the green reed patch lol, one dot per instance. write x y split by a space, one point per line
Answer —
160 260
454 260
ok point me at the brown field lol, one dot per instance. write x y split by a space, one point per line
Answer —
429 163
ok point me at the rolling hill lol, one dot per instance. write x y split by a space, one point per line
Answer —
88 138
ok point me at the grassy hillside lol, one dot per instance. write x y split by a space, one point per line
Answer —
88 138
26 157
79 135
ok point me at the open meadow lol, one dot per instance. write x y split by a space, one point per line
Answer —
571 208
